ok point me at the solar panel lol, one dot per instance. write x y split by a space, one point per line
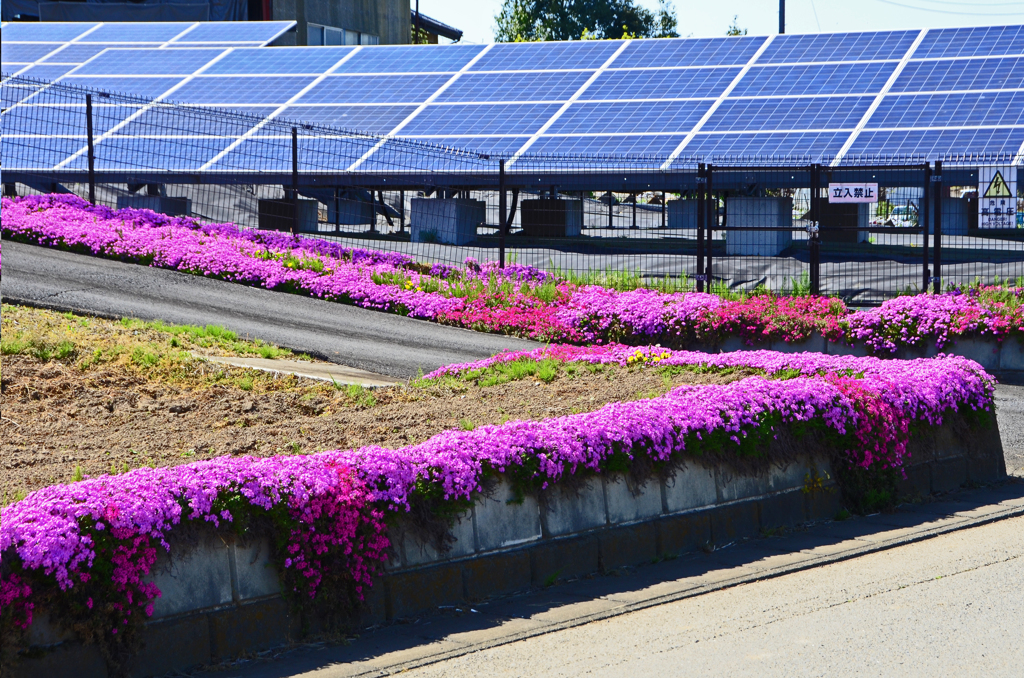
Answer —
27 44
806 95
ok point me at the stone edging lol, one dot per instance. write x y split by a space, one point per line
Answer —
222 598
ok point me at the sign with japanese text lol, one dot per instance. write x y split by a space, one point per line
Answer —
997 197
853 192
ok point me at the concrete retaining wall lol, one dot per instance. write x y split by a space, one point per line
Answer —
996 357
222 598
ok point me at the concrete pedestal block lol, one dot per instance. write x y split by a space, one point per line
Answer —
837 218
682 214
567 512
171 206
451 221
689 488
279 215
348 211
501 522
842 348
627 504
758 213
552 217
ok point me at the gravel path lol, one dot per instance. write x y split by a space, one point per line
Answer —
368 340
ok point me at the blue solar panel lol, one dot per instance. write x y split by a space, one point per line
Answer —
963 42
370 119
37 153
236 31
149 62
159 120
506 145
297 60
949 110
44 72
181 155
147 88
814 79
937 143
410 59
515 86
926 76
157 32
640 144
660 83
368 89
689 52
735 115
43 32
271 154
480 119
254 89
531 56
27 52
70 120
630 117
401 156
838 47
795 145
78 53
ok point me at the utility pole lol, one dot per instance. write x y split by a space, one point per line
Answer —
782 15
417 22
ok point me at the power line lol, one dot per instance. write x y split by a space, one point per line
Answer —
942 11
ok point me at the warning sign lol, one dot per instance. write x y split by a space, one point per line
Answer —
997 197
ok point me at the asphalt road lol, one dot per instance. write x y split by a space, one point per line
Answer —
949 606
368 340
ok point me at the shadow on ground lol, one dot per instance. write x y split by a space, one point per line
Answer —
456 630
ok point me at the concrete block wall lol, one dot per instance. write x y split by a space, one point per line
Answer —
1005 357
221 598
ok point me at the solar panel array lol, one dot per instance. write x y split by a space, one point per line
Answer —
927 93
50 50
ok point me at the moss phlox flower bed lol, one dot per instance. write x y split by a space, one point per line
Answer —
88 548
518 300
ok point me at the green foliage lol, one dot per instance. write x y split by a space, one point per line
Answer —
734 29
360 395
535 20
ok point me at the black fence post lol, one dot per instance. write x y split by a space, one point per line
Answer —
295 181
92 150
401 214
701 220
712 214
664 208
937 189
813 243
502 218
923 218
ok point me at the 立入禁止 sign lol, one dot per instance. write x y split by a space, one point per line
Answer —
853 192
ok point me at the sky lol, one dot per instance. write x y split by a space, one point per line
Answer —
701 18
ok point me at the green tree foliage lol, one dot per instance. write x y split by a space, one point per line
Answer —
735 29
531 20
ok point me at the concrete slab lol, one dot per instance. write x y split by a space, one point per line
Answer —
568 512
689 488
627 503
193 579
501 522
339 374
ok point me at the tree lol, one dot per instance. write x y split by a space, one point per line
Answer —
529 20
667 20
735 28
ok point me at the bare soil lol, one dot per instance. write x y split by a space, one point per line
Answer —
59 421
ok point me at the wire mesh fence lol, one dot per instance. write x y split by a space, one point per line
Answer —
855 229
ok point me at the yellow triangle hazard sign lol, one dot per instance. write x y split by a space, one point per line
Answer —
998 188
